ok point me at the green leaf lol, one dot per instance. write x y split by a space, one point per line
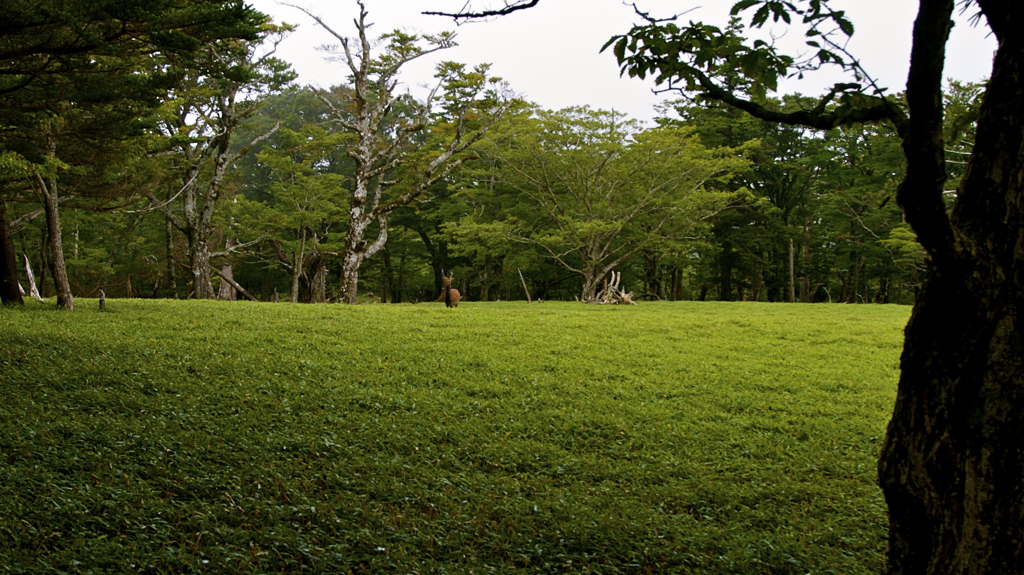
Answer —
741 6
620 50
760 17
845 25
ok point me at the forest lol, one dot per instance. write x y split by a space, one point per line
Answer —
186 163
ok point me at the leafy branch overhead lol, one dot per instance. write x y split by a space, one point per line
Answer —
699 58
468 13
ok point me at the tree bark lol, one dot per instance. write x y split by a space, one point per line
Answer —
398 296
486 279
297 267
952 467
9 292
172 273
792 272
32 290
591 282
199 259
387 283
350 277
227 290
48 189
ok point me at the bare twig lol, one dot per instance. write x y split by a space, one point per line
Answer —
467 14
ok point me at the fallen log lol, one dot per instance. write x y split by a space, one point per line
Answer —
232 283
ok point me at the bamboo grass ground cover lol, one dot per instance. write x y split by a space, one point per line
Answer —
236 437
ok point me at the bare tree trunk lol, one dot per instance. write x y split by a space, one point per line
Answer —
321 283
172 272
792 272
199 259
297 267
486 279
350 277
227 291
725 266
31 280
387 287
952 467
48 189
9 292
399 294
44 265
591 281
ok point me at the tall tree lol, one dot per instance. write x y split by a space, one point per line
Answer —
216 95
397 159
951 466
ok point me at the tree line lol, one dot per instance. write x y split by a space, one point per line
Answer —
181 161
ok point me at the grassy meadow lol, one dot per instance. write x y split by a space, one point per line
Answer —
237 437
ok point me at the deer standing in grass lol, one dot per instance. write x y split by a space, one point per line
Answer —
451 295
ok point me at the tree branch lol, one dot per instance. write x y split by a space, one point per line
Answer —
920 192
470 15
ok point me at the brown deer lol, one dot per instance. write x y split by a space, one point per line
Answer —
451 295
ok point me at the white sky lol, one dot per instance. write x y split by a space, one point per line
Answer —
549 54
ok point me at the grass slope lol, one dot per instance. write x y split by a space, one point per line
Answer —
216 437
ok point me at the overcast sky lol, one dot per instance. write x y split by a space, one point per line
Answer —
550 54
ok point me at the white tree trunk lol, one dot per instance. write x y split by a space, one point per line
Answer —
31 280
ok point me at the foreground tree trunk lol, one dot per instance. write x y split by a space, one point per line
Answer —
9 292
952 467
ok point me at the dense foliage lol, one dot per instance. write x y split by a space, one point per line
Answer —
697 438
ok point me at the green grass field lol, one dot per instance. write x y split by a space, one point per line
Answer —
223 437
